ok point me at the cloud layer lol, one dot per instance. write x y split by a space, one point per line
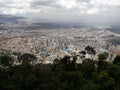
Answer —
68 10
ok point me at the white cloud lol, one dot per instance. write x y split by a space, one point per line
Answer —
114 3
13 11
92 11
68 4
15 6
60 8
83 6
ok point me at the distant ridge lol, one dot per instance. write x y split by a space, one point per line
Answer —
9 18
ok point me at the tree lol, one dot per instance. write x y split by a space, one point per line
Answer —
101 61
57 61
88 68
6 60
117 60
66 60
103 56
74 60
90 50
18 54
27 58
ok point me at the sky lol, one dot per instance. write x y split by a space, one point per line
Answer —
70 11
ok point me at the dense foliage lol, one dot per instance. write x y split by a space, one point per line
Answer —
62 75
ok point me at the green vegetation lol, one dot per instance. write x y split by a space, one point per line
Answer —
63 74
6 59
27 58
90 50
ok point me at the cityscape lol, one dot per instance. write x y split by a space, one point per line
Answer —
49 44
59 44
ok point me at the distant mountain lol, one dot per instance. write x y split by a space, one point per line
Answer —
18 22
115 29
9 18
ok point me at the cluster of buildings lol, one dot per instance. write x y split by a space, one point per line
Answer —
50 44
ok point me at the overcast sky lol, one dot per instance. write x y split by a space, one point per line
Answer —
73 11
